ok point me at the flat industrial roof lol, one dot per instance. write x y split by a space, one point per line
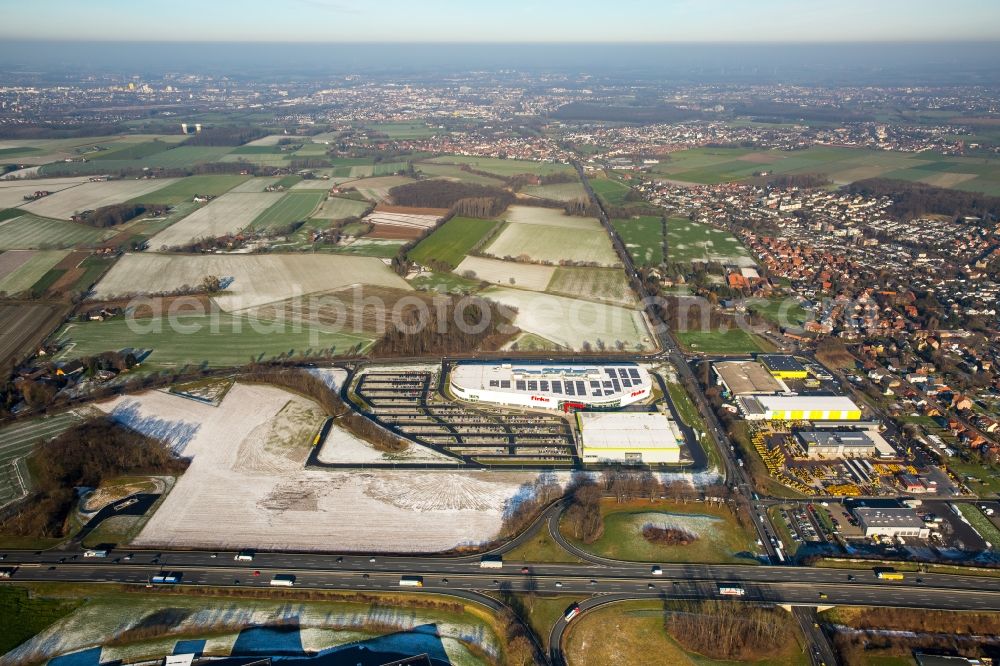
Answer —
780 363
629 430
835 438
574 381
888 517
806 403
744 377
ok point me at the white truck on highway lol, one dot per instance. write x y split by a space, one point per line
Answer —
95 553
283 580
491 562
244 556
411 581
731 590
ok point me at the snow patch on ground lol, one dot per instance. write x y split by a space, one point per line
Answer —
341 446
247 489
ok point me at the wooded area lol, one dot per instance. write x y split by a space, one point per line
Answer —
911 199
84 456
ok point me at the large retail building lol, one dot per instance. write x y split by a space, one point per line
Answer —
551 386
629 437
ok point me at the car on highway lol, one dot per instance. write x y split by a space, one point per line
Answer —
256 573
656 570
650 586
558 584
371 559
525 570
444 581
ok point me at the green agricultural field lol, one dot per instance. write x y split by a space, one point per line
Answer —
213 340
689 241
643 237
30 272
403 130
592 284
23 614
186 189
384 249
557 192
505 168
452 172
841 165
444 283
185 156
733 341
450 242
340 208
19 151
610 191
131 151
30 232
295 206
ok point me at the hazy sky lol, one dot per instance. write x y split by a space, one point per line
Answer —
503 21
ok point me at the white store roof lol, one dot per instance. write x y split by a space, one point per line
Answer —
629 430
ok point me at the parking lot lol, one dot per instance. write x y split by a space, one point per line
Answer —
408 402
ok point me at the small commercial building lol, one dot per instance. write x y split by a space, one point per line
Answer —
890 522
834 444
783 366
551 386
629 437
798 408
747 378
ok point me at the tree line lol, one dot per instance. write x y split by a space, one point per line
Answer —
485 326
112 216
912 200
489 201
304 383
724 630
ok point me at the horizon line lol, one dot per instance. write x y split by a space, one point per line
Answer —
831 42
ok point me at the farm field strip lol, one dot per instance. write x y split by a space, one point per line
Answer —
574 323
253 279
535 277
292 207
414 221
227 214
689 241
339 208
553 244
643 238
599 284
450 242
29 232
12 192
185 189
504 168
549 217
89 196
30 271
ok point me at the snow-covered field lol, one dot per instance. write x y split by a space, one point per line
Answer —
12 192
508 273
89 196
253 280
246 488
550 217
321 626
571 322
228 214
341 446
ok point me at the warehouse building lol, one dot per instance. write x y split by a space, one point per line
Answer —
629 437
783 366
890 522
747 378
563 387
798 408
831 444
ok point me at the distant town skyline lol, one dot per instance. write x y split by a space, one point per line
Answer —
670 21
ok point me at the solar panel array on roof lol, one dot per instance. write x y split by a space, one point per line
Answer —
557 387
581 388
520 385
505 383
543 385
634 373
569 389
